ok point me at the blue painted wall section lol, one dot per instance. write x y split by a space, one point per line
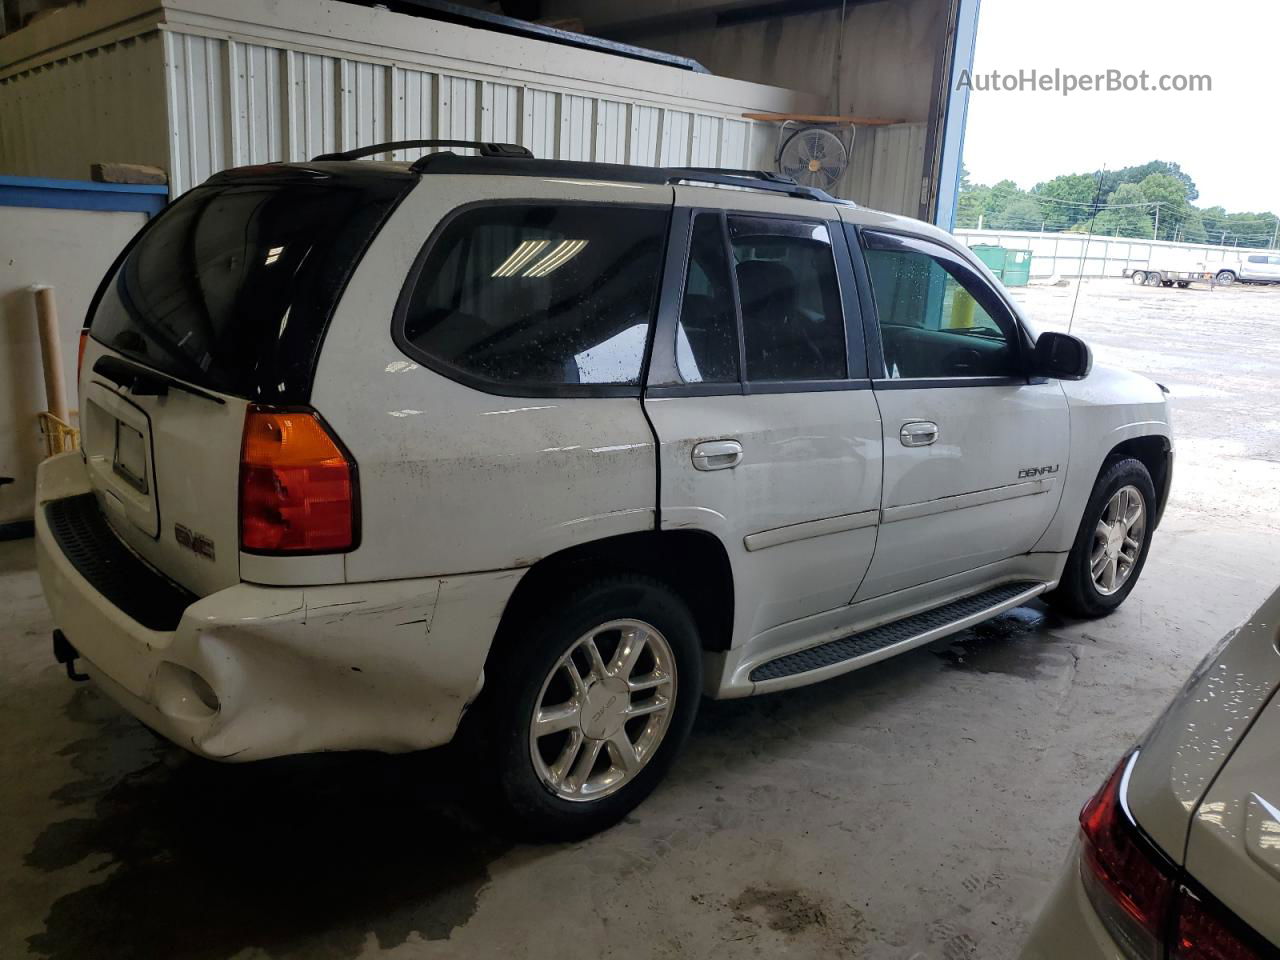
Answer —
82 195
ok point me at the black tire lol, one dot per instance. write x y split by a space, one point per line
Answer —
517 671
1183 284
1225 278
1139 277
1076 594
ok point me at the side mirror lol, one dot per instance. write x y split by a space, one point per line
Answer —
1061 356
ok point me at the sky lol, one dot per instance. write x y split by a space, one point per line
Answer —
1226 139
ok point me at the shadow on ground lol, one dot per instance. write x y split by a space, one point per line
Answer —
308 856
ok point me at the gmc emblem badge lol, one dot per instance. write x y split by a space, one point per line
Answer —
197 543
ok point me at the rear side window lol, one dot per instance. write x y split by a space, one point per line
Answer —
707 333
232 287
537 296
792 323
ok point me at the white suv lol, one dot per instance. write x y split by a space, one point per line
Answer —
368 446
1252 268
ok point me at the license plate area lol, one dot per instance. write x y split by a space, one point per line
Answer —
130 460
116 439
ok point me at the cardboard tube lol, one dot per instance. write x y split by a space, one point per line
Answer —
55 388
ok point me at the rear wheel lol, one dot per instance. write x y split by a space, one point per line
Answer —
587 707
1139 277
1154 279
1111 545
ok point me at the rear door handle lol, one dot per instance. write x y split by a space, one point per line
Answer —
717 455
918 433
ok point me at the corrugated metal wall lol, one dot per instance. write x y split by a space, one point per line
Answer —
886 168
100 104
232 103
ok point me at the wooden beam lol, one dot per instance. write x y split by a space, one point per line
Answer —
821 118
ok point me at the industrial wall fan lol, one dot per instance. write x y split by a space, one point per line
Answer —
813 156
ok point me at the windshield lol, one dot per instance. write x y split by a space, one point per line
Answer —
232 287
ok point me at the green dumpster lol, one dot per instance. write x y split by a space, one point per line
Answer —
991 255
1012 267
1017 268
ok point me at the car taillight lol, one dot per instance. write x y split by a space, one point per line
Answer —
297 485
1141 897
1129 883
1206 930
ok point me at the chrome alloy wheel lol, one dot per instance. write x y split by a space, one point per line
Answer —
603 710
1117 540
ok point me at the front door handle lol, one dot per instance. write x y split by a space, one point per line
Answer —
918 433
717 455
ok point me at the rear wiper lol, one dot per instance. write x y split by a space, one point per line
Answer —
143 381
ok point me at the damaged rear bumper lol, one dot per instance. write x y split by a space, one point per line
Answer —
252 672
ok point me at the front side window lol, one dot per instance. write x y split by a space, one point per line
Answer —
792 322
932 324
540 295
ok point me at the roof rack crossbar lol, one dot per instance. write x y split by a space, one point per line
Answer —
485 149
748 179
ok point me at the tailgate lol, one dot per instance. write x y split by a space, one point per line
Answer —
165 470
221 301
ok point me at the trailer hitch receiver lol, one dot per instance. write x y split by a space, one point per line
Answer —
67 655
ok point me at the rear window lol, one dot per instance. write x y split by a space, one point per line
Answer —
531 297
232 287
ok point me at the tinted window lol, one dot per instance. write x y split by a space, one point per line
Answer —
707 333
540 294
1257 259
931 325
792 324
232 287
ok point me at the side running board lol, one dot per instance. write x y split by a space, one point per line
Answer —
907 632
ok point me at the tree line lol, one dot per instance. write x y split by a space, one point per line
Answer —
1152 200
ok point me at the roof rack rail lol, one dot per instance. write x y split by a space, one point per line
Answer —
486 149
749 179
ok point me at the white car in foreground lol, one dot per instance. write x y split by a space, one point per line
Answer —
1178 854
562 446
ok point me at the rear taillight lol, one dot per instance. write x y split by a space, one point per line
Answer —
297 485
84 339
1129 882
1141 896
1206 930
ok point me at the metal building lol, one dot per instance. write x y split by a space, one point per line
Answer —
194 86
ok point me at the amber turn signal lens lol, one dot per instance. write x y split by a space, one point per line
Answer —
297 485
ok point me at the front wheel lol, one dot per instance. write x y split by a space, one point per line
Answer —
1111 545
1139 277
588 706
1225 278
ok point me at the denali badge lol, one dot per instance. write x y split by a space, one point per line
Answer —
195 542
1036 471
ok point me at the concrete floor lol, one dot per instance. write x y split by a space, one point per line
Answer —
916 809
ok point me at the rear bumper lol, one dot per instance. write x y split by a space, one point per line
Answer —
1067 927
252 672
